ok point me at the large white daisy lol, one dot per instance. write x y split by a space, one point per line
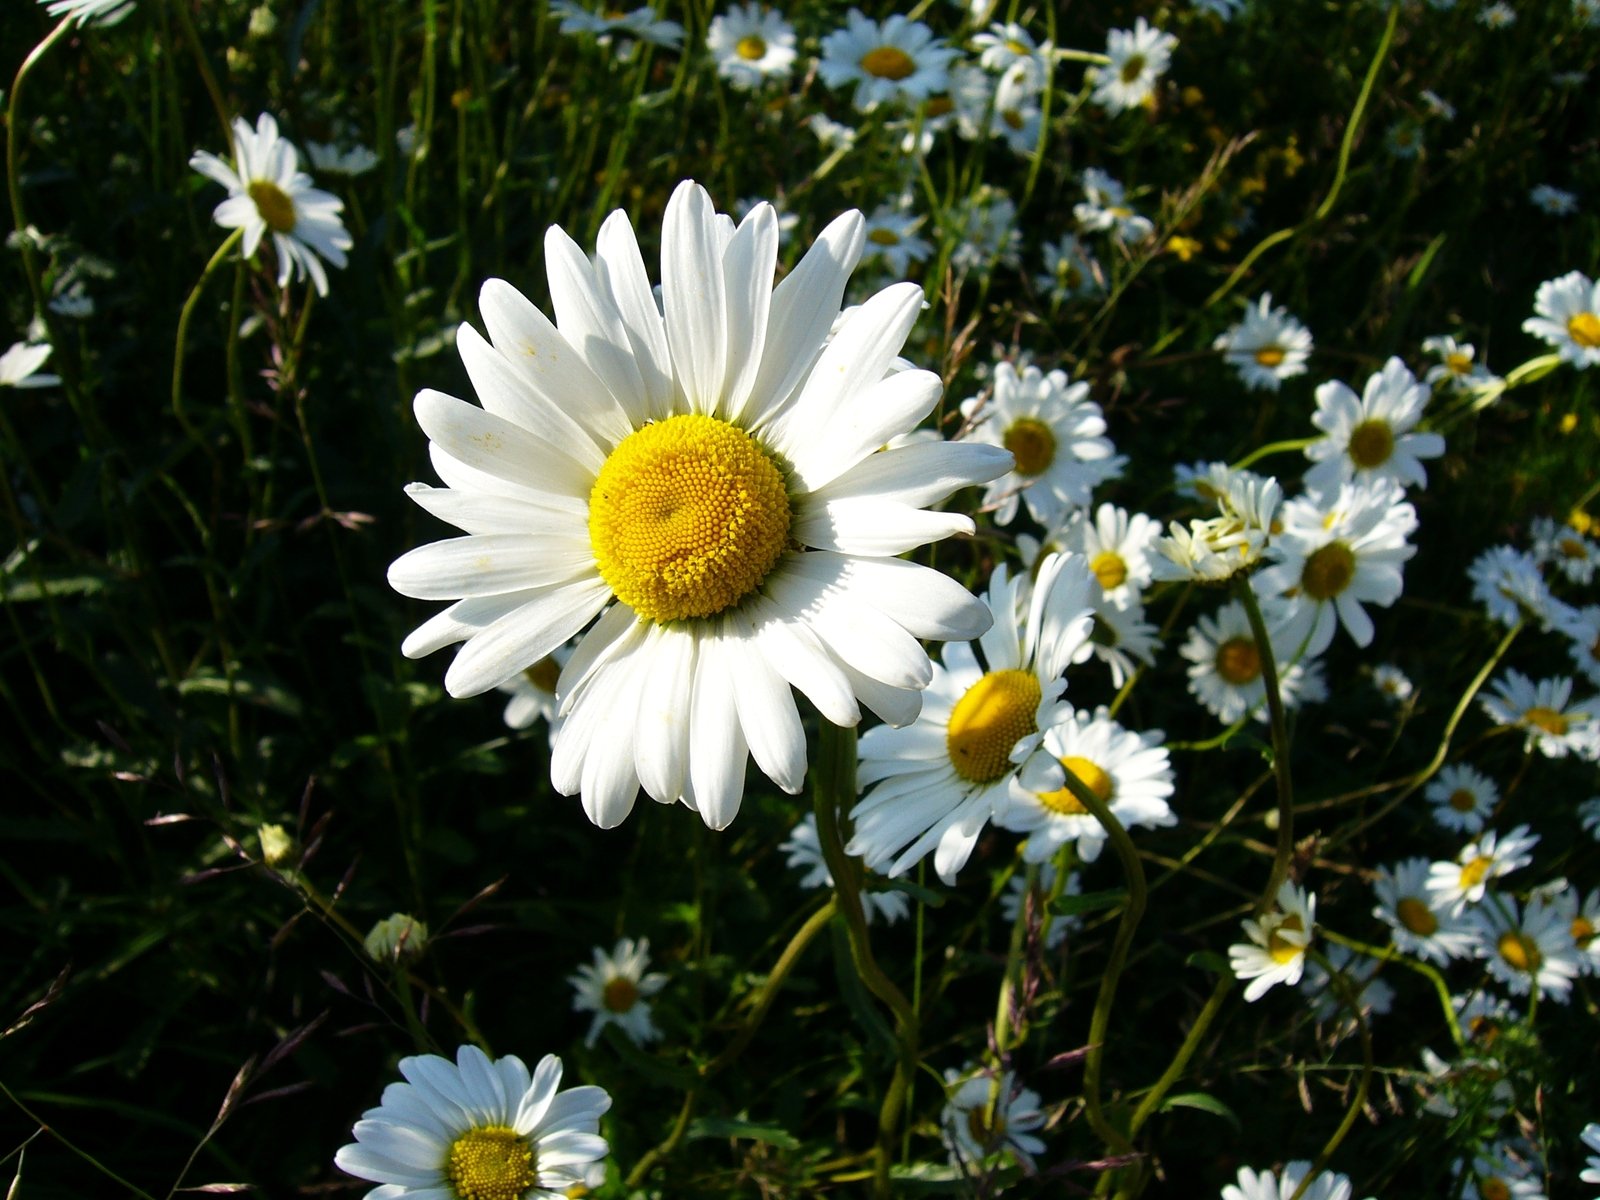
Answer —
1370 436
707 481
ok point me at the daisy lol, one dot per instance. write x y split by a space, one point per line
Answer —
898 60
1214 550
1139 57
1507 582
1581 628
1003 108
1265 1185
641 23
1370 437
1128 772
1528 948
1587 12
987 228
19 367
1267 347
1591 1139
1392 683
1582 917
1557 543
1056 436
533 693
477 1127
1011 902
1206 482
1070 271
1567 316
1122 637
1455 368
752 45
1437 105
935 784
1373 996
1105 209
331 160
1553 201
1465 880
1497 16
892 239
1118 545
706 482
973 1131
1498 1174
615 988
1484 1017
1009 49
1335 554
1420 924
100 12
1556 724
268 193
1404 139
1276 951
1462 798
804 853
1225 669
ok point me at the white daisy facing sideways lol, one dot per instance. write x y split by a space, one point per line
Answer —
965 1126
1371 436
1279 939
1567 317
616 988
699 489
1556 724
269 194
477 1127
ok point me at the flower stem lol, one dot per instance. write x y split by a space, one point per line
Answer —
1352 1001
217 260
1427 971
1280 741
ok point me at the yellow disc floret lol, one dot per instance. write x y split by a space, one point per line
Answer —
1032 443
1271 356
1285 950
1416 916
995 714
620 994
1328 571
1091 775
1547 719
1521 951
888 62
490 1163
1371 444
1585 329
1238 661
751 48
275 207
1110 569
687 517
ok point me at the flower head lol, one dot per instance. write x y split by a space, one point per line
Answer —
752 45
1276 951
973 1132
1462 798
1370 437
1465 880
803 852
1139 56
1421 922
1567 316
1267 347
616 989
897 60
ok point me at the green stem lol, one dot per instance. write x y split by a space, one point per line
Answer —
1428 972
192 36
1284 447
1352 1001
217 260
1280 741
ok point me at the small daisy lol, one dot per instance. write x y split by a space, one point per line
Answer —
1508 583
1421 925
1455 368
1207 482
533 693
1404 139
478 1127
1462 798
615 988
1528 948
892 240
1553 201
1265 1185
1392 683
1017 887
1105 209
640 23
1216 549
1267 347
1591 1139
1139 57
752 45
329 159
1225 669
19 367
1556 724
1465 880
896 61
1582 915
1118 545
832 134
1128 772
1056 436
972 1134
1009 49
1370 437
99 12
1122 637
1373 997
1499 1174
1556 543
1581 628
1003 108
269 194
1498 15
1226 9
1276 951
1483 1017
1070 271
1567 316
986 224
804 853
1437 105
1586 12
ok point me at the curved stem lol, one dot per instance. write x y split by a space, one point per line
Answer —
1426 970
641 1169
1280 740
1283 447
1352 1000
217 260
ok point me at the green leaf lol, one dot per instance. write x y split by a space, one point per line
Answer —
1069 906
1205 1102
732 1127
249 686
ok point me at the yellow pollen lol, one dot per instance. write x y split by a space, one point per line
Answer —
687 517
888 62
1281 948
751 48
1238 661
1585 329
1328 571
1462 800
1547 719
543 674
1271 356
883 237
1459 363
1132 69
1475 872
620 994
1520 950
1582 932
1572 548
1416 916
1494 1189
275 207
995 714
1033 445
490 1163
1371 444
1092 775
1109 569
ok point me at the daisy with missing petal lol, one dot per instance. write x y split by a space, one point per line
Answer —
708 482
1128 772
475 1129
1370 437
897 60
1557 543
1225 669
1421 924
1056 436
970 1133
1267 347
935 784
1557 725
19 366
1528 947
1455 369
752 45
803 852
1508 583
1139 56
1105 209
1276 951
1266 1185
616 989
1465 881
269 194
1462 798
1567 316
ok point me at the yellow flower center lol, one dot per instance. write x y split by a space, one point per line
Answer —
1417 916
1572 548
1585 329
1132 68
1017 48
491 1163
1520 950
1013 118
1032 444
1494 1189
620 994
751 48
1328 571
1459 363
1092 775
938 106
984 1132
1271 356
1371 444
883 237
995 714
1281 948
275 207
888 62
1582 932
1475 872
1462 800
543 674
1109 569
1238 661
687 517
1547 719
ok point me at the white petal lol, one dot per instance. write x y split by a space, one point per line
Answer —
661 737
589 322
854 633
927 603
871 526
476 512
747 271
767 712
717 750
692 292
460 621
484 441
522 637
896 705
490 565
620 269
505 388
919 474
796 654
882 411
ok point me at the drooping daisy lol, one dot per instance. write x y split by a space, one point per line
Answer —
1567 316
616 989
935 784
1528 947
1392 683
1225 668
1557 725
19 366
897 60
1465 880
1139 56
803 852
892 239
1553 201
1456 368
533 693
1017 893
972 1135
1507 582
1373 996
641 23
709 484
1555 543
1265 1185
1009 49
1056 436
1216 549
269 194
1483 1016
1129 772
1462 798
1370 437
1070 271
1437 105
100 12
1105 209
1422 924
1581 628
1276 951
477 1128
1267 347
752 45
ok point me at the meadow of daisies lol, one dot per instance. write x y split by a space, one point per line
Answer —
727 600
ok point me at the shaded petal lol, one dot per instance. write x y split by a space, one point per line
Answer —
522 637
